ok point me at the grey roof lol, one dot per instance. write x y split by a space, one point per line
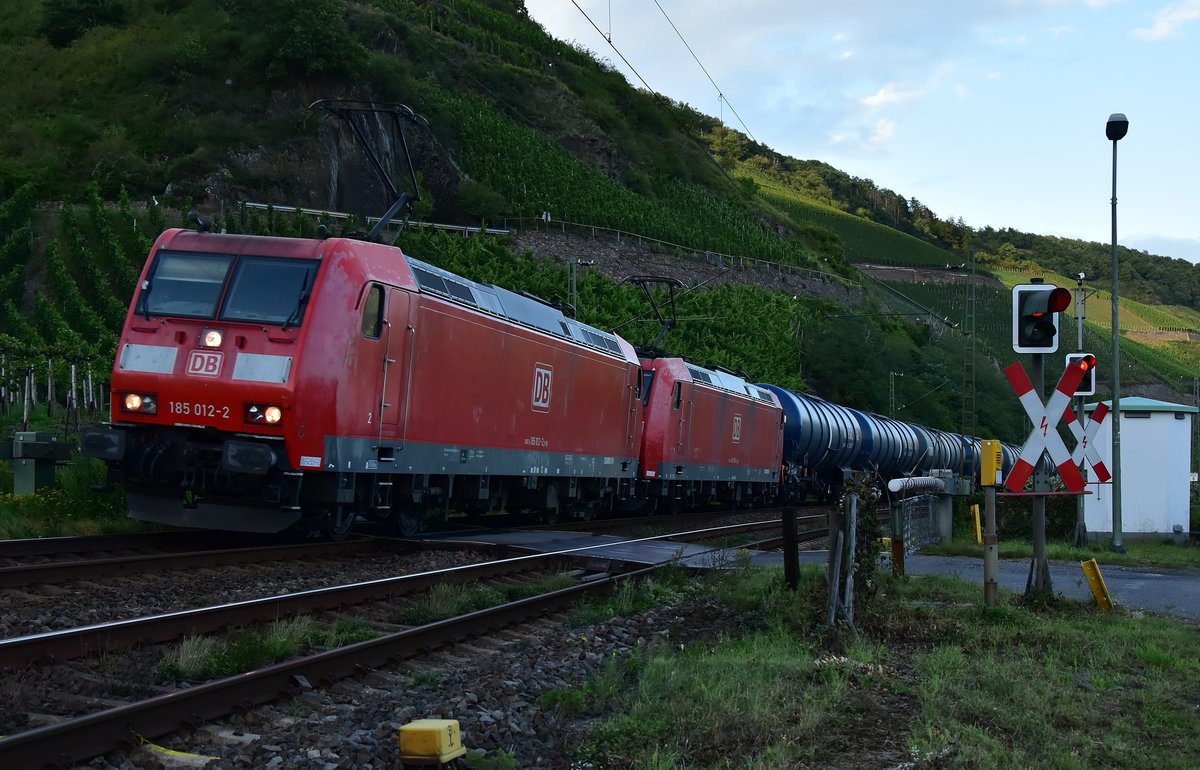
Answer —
1140 404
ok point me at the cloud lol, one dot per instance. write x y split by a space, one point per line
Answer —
1169 20
1166 245
855 138
883 131
890 95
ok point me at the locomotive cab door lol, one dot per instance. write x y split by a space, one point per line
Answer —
397 362
383 357
396 365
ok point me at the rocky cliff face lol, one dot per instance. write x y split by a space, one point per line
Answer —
326 167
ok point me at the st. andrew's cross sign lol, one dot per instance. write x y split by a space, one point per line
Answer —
1044 436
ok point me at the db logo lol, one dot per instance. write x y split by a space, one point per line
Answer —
737 428
203 363
543 375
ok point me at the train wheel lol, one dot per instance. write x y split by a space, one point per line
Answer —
341 523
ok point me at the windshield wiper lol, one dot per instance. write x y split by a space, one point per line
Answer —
144 300
300 302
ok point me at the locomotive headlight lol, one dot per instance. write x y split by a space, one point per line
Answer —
263 413
140 403
211 338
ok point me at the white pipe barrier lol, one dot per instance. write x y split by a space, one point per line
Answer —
917 485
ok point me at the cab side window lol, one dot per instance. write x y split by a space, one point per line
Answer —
372 318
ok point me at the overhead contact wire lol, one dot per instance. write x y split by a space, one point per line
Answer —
720 93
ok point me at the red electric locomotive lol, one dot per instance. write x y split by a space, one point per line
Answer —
266 383
709 436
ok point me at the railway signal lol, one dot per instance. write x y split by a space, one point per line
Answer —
1087 361
1036 308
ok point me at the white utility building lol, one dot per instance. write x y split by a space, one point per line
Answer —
1156 465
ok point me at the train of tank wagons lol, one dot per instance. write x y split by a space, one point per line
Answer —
265 384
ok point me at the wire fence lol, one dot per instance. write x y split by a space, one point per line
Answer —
513 225
920 525
716 258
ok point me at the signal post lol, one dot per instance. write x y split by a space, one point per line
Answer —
991 472
1036 309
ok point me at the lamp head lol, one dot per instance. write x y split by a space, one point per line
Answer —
1117 126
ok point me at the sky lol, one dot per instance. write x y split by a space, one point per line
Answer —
989 110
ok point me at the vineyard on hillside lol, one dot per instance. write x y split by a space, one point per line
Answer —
864 240
1170 360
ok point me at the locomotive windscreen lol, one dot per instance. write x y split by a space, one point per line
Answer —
261 289
269 290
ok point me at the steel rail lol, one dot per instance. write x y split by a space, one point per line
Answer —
750 526
69 742
49 546
72 643
57 572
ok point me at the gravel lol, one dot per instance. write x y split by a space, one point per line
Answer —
493 686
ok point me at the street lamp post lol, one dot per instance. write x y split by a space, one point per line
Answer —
1080 315
1115 130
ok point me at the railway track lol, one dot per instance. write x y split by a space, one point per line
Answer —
75 739
72 643
165 710
104 564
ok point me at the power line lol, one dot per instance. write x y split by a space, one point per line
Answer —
720 93
654 93
613 46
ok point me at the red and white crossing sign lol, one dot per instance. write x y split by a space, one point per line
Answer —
1086 448
1044 436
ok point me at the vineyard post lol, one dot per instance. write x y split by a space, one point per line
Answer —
49 387
28 398
72 403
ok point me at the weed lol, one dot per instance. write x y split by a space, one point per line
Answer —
478 759
568 702
447 600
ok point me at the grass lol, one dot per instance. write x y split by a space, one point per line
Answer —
1138 553
448 600
207 657
72 507
932 678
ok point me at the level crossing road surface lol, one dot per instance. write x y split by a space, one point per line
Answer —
1171 592
1168 591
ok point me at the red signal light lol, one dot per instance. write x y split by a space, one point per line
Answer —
1060 300
1087 363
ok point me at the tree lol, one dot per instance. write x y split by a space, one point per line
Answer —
309 37
65 21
